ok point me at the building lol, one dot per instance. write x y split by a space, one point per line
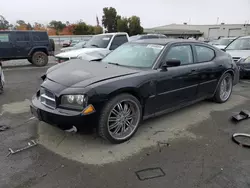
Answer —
206 31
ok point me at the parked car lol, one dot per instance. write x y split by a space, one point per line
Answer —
147 36
79 45
138 80
106 41
223 42
74 42
35 46
66 43
239 49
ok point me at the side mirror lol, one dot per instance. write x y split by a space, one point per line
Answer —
171 63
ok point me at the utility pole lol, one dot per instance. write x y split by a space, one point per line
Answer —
217 20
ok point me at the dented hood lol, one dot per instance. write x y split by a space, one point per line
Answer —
80 73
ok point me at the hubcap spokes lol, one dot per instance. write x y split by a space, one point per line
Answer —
123 119
225 88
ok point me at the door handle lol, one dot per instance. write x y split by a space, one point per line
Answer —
193 72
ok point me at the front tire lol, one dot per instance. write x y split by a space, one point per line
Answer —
120 118
40 59
224 89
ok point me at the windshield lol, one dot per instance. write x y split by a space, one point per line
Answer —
99 41
134 55
223 42
80 44
240 44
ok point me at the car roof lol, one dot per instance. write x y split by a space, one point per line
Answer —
165 41
245 37
117 33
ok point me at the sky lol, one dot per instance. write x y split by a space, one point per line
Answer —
152 13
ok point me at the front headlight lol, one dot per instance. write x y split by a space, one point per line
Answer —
77 102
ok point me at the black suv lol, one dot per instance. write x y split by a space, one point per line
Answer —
35 46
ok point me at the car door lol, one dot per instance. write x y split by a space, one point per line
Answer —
22 44
118 40
209 70
5 45
177 85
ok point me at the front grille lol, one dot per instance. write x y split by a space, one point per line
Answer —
236 59
47 98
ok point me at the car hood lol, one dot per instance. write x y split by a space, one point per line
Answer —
80 73
239 53
220 46
75 53
68 49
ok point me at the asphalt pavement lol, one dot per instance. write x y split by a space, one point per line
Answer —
188 148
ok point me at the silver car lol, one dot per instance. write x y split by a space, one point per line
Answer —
239 49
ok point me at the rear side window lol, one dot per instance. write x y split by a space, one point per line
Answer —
40 36
4 37
204 54
22 36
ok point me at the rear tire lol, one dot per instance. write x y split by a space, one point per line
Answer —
120 118
224 89
40 59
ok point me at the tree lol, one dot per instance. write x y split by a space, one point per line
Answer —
4 24
68 30
57 25
135 25
109 19
21 25
39 27
81 28
122 25
98 30
51 31
29 27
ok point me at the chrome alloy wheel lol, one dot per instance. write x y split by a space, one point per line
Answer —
123 119
226 88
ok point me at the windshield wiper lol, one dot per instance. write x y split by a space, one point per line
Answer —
114 64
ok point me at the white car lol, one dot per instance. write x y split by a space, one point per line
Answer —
223 42
105 43
239 49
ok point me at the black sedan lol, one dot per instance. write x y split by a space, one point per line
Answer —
138 80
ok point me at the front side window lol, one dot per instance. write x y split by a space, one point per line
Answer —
134 55
118 40
182 53
99 41
204 54
4 37
239 44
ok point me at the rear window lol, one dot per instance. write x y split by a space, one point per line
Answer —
40 36
22 36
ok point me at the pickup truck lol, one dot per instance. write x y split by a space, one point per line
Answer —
102 43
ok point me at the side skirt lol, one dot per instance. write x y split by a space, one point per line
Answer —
169 110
